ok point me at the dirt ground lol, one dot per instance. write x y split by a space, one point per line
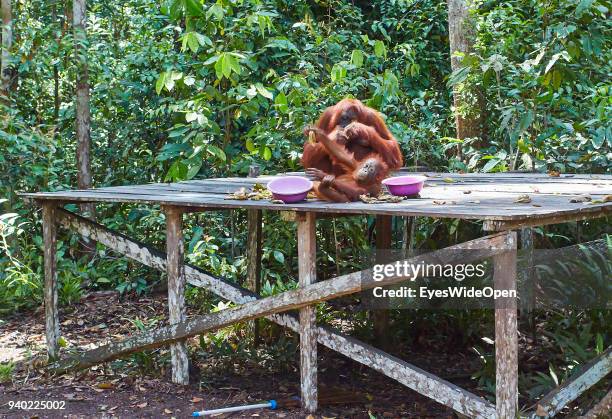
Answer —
122 390
105 392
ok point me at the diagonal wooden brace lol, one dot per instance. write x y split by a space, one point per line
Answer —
587 375
409 375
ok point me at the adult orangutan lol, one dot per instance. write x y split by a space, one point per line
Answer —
359 177
360 129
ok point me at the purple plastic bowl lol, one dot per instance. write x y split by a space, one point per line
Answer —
290 189
404 185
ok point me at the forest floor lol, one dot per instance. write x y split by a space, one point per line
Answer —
140 386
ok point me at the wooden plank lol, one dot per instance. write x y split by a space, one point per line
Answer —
506 333
148 255
437 201
409 233
49 224
380 315
588 375
289 300
425 383
413 377
601 409
529 278
432 204
557 218
307 257
254 243
176 291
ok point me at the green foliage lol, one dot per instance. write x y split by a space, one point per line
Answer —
186 89
544 70
6 372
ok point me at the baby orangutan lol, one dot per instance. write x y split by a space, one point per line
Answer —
360 177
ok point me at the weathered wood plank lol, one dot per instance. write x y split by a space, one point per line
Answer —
437 202
380 316
423 382
289 300
254 243
527 250
409 375
176 291
506 333
307 256
409 233
148 255
571 389
49 224
600 409
544 219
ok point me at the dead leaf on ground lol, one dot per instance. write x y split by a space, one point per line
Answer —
196 400
105 386
167 411
142 405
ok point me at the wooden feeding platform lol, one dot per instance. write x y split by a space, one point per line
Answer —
496 199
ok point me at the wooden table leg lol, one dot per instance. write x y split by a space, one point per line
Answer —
50 251
176 290
307 257
506 334
254 243
530 289
381 315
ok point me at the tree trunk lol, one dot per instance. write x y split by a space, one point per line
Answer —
83 117
7 42
467 104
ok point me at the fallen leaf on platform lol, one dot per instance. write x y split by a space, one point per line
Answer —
449 180
523 199
467 192
581 198
554 173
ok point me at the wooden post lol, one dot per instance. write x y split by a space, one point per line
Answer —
307 257
381 315
50 249
408 234
527 247
254 238
176 291
506 333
